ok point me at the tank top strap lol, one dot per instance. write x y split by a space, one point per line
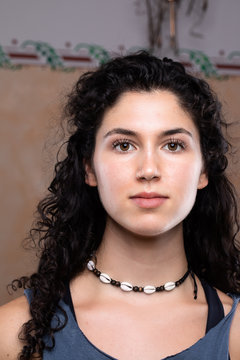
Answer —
68 300
215 307
215 344
28 294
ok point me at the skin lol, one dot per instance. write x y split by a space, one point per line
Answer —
141 245
139 234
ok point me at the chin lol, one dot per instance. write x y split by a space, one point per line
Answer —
153 229
148 231
146 227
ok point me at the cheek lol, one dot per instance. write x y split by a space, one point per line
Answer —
112 177
184 177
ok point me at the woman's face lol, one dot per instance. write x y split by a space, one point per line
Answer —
147 163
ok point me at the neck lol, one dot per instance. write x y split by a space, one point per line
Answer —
142 260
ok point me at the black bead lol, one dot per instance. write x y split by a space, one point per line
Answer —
158 288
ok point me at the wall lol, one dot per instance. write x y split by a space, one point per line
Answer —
31 96
30 112
117 25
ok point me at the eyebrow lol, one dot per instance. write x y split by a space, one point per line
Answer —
128 132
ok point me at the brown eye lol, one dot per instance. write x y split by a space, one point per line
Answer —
173 146
124 146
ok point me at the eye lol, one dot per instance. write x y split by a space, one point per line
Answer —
122 145
174 145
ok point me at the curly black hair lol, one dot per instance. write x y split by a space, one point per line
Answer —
71 219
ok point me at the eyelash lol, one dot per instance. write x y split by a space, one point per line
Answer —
176 142
169 141
119 142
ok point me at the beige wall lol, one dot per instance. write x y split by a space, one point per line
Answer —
29 111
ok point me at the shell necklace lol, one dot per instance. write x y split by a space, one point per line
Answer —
148 289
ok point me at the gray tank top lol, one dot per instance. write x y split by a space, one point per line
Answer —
72 344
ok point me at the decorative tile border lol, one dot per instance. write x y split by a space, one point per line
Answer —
215 66
42 53
85 55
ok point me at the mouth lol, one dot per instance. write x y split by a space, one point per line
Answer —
148 200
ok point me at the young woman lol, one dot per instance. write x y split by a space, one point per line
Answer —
138 233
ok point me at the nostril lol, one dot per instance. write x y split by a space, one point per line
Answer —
147 176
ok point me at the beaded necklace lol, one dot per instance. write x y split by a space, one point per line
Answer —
148 289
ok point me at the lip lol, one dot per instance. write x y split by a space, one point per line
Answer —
148 195
148 200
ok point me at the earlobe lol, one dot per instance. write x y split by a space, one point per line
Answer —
90 177
203 181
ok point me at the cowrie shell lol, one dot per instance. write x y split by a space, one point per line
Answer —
169 286
90 265
149 289
125 286
105 278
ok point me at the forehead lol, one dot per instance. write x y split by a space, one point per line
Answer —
148 112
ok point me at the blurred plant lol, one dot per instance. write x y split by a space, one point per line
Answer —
203 4
95 51
199 8
156 11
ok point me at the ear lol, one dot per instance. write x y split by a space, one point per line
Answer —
90 177
203 180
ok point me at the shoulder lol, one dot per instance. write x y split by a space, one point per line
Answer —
12 316
226 301
234 344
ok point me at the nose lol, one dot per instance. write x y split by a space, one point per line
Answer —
148 168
